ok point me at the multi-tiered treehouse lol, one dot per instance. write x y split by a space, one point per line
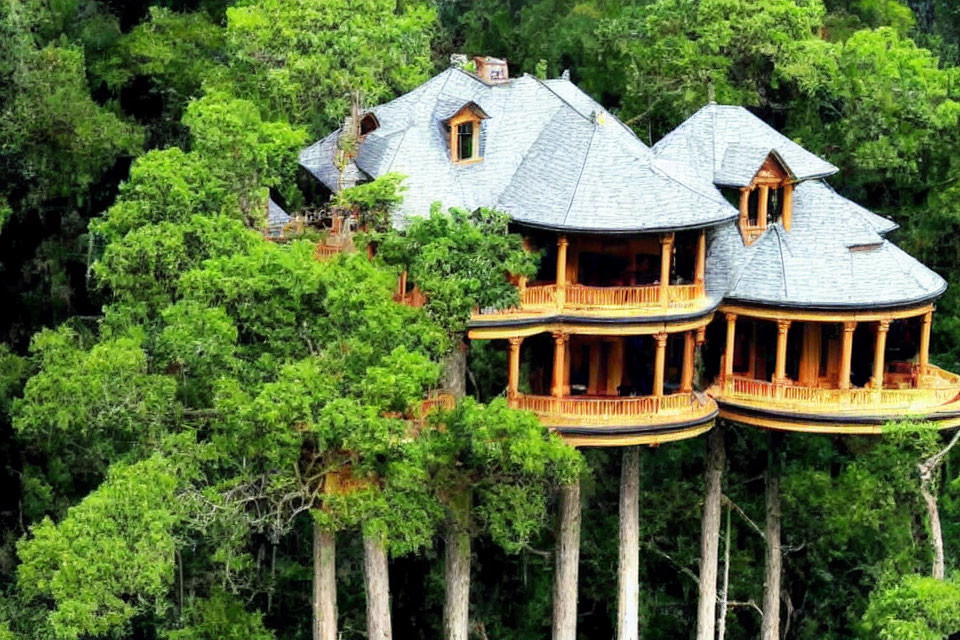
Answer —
715 274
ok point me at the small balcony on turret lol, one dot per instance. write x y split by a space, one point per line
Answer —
849 373
595 276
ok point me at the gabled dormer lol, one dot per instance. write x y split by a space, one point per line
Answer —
464 133
767 199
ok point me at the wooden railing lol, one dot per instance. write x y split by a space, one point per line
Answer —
325 251
580 297
826 399
598 411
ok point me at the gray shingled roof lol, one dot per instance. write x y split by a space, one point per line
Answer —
552 158
277 218
729 143
834 256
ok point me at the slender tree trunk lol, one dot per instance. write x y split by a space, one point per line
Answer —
456 608
455 370
710 536
324 585
929 470
770 629
376 581
725 589
628 571
568 565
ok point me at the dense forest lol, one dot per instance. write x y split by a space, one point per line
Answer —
177 393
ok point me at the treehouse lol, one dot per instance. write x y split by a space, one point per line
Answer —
714 274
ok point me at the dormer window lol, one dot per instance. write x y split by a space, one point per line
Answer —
464 128
368 123
767 199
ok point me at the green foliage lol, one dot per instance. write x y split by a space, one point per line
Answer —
914 608
110 559
220 617
373 201
302 59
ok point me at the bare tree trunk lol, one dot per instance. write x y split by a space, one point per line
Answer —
324 585
376 580
770 629
455 370
725 589
929 471
628 571
456 608
568 565
710 536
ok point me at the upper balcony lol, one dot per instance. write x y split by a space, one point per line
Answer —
642 277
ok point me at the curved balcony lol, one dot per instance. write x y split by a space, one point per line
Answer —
933 396
598 420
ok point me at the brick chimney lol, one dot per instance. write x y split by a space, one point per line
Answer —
492 70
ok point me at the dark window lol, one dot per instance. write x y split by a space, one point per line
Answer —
368 123
465 141
753 208
774 204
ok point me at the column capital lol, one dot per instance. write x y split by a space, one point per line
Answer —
701 335
783 325
560 336
928 317
515 342
883 326
661 338
731 317
666 238
849 326
562 241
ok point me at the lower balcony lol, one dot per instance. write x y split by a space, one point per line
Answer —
933 395
615 420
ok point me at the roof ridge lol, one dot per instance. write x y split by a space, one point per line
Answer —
583 164
666 175
558 96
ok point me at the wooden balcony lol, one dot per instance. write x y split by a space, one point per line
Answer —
598 420
576 299
934 396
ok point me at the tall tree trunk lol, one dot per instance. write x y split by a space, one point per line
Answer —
455 370
324 585
929 470
456 607
725 589
710 536
628 571
568 565
376 581
770 629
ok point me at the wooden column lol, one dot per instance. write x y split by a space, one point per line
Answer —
615 367
701 266
562 245
787 207
402 284
593 381
810 355
783 329
846 354
728 357
701 336
660 363
879 351
762 207
666 251
744 206
560 340
925 342
513 379
689 347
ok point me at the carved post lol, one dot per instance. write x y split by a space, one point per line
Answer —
666 249
728 357
686 379
925 343
846 354
787 215
562 245
701 336
660 363
559 365
513 379
879 351
701 267
762 207
783 328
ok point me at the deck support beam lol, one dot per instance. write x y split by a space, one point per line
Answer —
567 564
659 364
513 379
780 373
562 244
666 253
689 348
628 569
879 351
846 355
560 341
925 343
